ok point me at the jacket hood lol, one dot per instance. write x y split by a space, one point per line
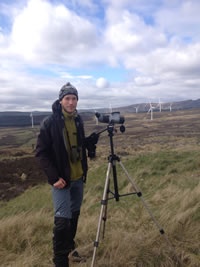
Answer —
56 107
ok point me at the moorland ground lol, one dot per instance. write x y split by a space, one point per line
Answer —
168 130
160 153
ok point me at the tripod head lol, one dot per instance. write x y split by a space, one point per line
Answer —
111 129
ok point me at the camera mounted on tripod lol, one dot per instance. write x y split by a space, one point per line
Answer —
108 194
111 118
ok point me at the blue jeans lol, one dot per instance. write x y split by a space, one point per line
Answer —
68 200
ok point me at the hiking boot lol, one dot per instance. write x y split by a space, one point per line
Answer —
75 257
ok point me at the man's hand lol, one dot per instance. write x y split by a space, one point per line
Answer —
90 143
92 139
61 183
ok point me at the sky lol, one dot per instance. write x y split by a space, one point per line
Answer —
115 52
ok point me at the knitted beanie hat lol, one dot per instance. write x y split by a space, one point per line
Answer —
68 89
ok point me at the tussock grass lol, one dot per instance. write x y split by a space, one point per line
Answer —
25 239
163 160
131 237
32 200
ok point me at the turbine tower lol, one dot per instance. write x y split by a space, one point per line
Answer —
32 123
170 107
151 110
96 119
160 105
136 109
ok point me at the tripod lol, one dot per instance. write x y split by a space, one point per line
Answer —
112 160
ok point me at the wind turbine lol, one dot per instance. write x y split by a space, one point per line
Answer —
160 105
136 109
170 107
151 110
32 123
96 119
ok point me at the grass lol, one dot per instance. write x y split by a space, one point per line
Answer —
164 164
131 237
16 142
32 200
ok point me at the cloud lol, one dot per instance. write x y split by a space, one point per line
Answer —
44 44
146 81
180 19
102 83
51 33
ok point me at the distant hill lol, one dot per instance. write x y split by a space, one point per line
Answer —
20 119
170 106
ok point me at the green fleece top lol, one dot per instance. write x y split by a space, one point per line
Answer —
72 144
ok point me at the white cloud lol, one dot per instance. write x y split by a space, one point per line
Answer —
102 83
146 81
43 44
53 34
180 19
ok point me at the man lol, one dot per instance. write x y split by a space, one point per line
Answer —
61 150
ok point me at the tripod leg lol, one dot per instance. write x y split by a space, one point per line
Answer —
105 214
139 194
142 199
102 211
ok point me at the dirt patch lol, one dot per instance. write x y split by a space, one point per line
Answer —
18 175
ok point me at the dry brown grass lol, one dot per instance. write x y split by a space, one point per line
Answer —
162 157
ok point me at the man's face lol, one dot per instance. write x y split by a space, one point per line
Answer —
69 103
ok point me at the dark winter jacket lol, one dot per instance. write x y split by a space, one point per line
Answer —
51 150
